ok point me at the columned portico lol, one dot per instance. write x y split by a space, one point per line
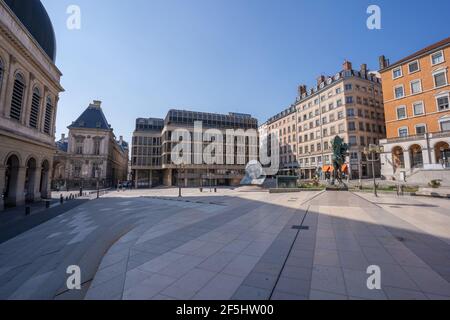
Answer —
428 153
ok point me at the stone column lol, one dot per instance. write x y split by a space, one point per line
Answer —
37 184
53 125
3 89
48 180
26 107
407 157
8 83
2 186
426 158
17 192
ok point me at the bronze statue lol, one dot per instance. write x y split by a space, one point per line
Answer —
340 151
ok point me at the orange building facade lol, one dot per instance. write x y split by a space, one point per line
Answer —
416 102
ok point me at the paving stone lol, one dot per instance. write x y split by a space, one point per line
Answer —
293 286
320 295
403 294
148 288
428 281
326 258
218 261
188 285
328 279
109 290
251 293
241 265
297 273
286 296
222 287
356 285
260 280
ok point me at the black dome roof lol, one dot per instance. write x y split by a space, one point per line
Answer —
35 18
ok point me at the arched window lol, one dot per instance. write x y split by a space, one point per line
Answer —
48 116
17 97
35 106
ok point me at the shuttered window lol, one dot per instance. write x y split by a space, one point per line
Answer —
17 97
35 105
48 116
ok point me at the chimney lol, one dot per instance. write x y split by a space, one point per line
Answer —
320 79
63 136
384 63
347 65
97 103
364 68
301 90
121 140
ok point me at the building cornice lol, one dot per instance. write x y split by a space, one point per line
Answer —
13 29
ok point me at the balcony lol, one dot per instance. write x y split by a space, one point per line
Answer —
407 139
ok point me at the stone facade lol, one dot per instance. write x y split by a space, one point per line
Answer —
29 89
90 154
348 104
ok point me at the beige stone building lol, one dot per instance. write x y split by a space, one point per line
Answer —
90 154
29 89
348 104
284 125
152 147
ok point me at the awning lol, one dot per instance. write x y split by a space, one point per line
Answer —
344 168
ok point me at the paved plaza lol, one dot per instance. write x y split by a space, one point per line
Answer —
241 244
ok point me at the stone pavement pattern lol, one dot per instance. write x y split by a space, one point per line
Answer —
235 245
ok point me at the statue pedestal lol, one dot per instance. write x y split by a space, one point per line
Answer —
337 187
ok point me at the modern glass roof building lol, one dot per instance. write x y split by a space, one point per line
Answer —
151 161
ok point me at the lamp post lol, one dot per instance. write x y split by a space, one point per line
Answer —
373 150
97 175
181 169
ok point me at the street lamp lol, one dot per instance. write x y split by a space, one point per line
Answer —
181 169
97 175
373 150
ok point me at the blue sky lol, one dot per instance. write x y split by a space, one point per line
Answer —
143 57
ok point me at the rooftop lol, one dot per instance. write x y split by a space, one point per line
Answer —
426 50
92 118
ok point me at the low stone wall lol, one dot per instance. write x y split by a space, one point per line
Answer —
423 177
292 190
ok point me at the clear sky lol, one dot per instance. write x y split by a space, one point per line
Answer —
143 57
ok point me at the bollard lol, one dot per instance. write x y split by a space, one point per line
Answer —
61 199
27 210
47 204
201 189
215 190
